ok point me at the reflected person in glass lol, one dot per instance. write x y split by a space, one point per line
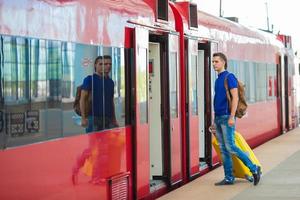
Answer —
101 87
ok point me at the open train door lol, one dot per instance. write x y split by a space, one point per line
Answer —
141 117
175 170
192 89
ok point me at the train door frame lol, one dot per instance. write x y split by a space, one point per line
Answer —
171 133
192 118
209 74
174 111
157 43
199 146
208 108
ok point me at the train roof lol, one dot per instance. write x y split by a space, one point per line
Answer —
210 26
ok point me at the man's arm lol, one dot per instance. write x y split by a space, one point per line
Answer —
114 119
234 104
83 107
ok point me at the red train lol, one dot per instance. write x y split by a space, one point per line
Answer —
163 86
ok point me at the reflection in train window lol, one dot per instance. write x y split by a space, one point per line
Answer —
38 85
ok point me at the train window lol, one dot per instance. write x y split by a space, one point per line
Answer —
29 68
249 82
241 71
38 84
100 71
252 82
193 16
142 83
173 85
271 76
233 67
77 63
14 75
193 85
261 80
38 79
162 9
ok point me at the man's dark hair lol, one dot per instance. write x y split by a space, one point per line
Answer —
222 56
102 57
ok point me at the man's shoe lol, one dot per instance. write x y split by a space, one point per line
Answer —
256 176
224 182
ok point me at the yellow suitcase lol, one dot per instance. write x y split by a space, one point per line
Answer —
239 169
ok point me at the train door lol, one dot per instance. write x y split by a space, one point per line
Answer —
157 138
175 164
202 116
205 103
141 108
199 109
194 96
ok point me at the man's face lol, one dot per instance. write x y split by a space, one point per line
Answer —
103 66
218 63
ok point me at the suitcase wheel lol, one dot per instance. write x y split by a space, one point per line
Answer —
249 178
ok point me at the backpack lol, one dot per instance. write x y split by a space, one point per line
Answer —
76 104
242 104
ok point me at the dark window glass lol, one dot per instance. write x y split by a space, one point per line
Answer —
162 9
193 16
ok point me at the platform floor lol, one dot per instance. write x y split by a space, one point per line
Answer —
280 159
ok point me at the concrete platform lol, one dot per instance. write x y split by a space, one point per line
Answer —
280 159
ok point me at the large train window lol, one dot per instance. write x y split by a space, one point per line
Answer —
105 85
38 86
259 79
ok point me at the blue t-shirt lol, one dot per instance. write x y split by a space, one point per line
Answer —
221 106
102 92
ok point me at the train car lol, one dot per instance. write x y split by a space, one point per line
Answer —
160 55
261 60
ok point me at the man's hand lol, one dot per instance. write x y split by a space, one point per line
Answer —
84 122
231 121
115 123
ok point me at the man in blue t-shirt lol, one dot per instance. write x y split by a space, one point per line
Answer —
225 121
101 87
